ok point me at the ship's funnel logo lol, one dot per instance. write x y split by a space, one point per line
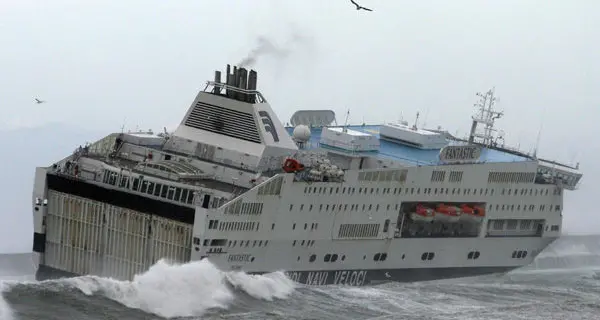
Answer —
268 124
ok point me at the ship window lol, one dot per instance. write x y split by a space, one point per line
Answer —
167 192
157 188
312 258
301 207
424 256
327 257
123 182
177 194
557 207
190 198
291 207
376 257
294 243
150 187
184 194
272 226
294 226
305 226
386 225
310 207
334 257
136 184
320 207
144 187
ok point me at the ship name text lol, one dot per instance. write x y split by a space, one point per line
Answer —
242 257
454 154
319 278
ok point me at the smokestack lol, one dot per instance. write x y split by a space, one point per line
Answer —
235 77
228 79
243 82
217 88
252 79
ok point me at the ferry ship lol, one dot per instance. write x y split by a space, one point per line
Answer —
326 203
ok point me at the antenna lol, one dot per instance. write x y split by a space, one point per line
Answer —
123 125
346 122
416 120
539 135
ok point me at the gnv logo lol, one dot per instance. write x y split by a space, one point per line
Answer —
268 124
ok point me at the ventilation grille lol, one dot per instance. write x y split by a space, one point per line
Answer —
235 124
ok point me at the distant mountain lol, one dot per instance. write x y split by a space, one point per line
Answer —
23 150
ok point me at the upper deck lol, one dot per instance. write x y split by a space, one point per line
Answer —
403 153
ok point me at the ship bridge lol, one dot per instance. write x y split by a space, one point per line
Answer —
233 124
552 172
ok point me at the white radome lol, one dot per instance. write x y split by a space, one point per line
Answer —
301 133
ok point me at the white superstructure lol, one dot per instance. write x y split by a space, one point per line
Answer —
327 204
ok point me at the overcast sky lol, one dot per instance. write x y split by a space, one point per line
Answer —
104 64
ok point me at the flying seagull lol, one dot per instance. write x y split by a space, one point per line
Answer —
38 101
358 6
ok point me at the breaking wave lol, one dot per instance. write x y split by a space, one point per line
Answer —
167 290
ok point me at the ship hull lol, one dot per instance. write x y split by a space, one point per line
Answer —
344 276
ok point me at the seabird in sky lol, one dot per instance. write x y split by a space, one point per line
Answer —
358 6
38 101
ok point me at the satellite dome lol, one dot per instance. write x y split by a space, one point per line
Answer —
301 133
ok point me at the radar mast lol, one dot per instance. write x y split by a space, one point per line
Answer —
486 115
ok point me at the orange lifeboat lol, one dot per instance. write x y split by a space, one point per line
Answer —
444 213
292 165
472 214
422 214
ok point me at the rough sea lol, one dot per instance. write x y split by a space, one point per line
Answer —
562 283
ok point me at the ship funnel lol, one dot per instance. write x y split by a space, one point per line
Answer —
238 78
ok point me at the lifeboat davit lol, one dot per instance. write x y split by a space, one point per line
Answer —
422 214
292 165
444 213
472 214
